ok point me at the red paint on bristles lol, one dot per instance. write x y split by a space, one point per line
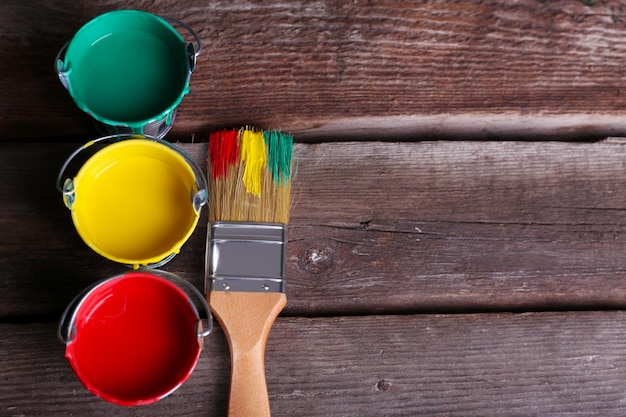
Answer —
223 152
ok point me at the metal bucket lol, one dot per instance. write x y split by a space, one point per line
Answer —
135 201
134 338
129 70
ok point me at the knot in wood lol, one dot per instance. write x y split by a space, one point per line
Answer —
383 385
317 259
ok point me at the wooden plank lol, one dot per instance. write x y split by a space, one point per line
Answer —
543 364
458 225
385 69
377 227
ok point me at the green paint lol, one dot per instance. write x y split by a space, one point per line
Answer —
127 68
279 154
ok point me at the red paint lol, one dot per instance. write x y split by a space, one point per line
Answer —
135 339
223 152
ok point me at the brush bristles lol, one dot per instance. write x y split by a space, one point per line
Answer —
249 176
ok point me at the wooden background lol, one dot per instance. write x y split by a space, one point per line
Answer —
351 69
457 243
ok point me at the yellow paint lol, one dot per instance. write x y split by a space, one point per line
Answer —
254 158
133 202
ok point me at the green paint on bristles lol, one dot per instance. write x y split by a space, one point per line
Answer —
279 153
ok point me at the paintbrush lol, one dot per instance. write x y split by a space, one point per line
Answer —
249 204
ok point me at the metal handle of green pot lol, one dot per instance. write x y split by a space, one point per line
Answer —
59 67
191 51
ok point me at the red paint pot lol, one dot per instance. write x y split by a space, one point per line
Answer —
134 338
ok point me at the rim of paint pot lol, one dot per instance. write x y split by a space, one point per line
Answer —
131 216
90 41
133 339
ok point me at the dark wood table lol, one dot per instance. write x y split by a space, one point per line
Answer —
457 243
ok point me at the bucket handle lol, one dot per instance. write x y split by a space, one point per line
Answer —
74 304
67 188
192 52
59 67
199 194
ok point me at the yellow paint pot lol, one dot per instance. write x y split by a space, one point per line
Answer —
136 201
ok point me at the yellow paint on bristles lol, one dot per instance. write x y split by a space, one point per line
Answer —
254 159
249 190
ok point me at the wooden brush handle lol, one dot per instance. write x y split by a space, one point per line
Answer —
246 318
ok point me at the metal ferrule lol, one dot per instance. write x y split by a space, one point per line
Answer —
246 257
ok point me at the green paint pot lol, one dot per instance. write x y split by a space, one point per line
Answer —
129 70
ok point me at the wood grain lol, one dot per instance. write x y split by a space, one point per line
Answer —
457 225
327 69
376 228
425 278
541 364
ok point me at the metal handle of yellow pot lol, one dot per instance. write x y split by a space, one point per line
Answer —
65 185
